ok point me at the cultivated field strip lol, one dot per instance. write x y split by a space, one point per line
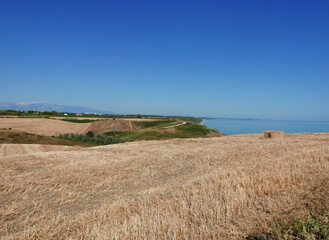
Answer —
139 125
215 188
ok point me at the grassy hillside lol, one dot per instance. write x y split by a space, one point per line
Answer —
139 125
118 129
154 130
188 130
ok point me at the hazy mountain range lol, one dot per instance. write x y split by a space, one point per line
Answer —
45 106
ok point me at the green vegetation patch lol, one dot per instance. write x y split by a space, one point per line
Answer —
91 138
140 125
312 226
188 130
20 137
195 129
76 120
9 112
34 116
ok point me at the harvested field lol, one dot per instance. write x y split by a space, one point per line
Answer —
43 126
24 149
50 127
207 188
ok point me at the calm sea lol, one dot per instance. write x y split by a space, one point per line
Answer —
230 126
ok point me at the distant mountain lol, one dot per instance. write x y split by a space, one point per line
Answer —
44 106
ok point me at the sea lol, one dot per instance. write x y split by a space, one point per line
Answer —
243 126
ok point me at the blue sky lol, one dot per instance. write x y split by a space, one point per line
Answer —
257 58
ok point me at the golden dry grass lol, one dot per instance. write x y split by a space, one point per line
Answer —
43 126
209 188
52 127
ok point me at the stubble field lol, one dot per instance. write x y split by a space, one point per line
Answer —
54 127
208 188
43 126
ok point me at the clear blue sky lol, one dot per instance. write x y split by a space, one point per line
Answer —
262 59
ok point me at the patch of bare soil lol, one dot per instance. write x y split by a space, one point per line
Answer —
109 125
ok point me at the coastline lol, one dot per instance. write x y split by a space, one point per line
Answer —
234 127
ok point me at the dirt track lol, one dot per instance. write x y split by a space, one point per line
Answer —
217 188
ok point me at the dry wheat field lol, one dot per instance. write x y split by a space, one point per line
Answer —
43 126
50 127
208 188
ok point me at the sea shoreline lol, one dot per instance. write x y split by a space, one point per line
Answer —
234 127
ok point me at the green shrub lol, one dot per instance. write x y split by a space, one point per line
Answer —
90 137
310 227
75 120
90 134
